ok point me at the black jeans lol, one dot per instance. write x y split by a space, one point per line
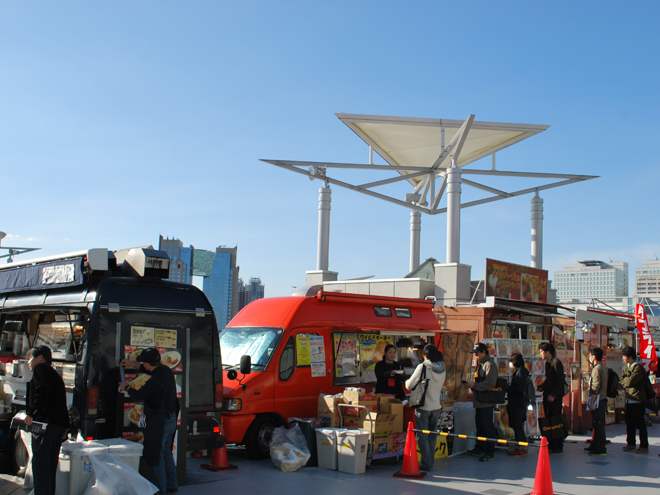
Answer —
45 456
635 421
517 418
483 417
598 423
552 409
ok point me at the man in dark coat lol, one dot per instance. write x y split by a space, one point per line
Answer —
160 413
553 390
46 403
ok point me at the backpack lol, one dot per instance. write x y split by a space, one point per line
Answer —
612 383
530 391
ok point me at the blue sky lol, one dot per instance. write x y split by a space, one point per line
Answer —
108 108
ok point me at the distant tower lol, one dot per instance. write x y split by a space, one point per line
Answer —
181 259
251 292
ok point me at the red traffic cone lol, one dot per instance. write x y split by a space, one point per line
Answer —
410 465
543 479
219 457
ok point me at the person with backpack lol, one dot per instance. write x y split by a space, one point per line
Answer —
597 402
427 417
632 379
161 408
518 402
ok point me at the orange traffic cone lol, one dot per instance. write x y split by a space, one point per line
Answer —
219 457
410 465
543 479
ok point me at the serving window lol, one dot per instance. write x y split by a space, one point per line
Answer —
355 354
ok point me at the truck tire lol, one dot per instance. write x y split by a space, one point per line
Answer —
258 437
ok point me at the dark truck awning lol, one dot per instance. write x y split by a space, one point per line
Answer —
50 275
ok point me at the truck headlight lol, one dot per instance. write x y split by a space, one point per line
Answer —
231 404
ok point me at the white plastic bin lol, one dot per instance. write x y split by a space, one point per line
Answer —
75 468
326 447
352 447
127 451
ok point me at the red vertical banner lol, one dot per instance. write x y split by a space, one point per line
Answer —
646 347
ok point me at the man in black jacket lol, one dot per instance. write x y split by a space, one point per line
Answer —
160 413
553 390
46 403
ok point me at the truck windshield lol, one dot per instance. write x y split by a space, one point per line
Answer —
257 342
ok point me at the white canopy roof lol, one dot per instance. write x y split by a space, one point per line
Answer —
417 142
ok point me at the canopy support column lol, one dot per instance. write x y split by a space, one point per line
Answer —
453 213
415 229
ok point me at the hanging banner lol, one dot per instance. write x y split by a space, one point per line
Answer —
646 347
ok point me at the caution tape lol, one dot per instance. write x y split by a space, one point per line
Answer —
481 439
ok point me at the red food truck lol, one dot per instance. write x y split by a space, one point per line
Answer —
301 347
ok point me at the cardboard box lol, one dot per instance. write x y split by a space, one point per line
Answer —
390 405
328 410
357 396
380 425
399 442
383 445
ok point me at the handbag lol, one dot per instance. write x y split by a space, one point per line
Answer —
495 395
418 393
554 427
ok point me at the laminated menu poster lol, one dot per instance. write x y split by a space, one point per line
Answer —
303 354
490 343
345 348
515 345
317 355
137 381
169 357
372 349
502 347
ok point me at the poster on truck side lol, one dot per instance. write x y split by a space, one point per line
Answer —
317 355
513 281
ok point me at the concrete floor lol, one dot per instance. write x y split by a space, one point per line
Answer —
574 472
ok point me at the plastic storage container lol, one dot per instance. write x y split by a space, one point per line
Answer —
352 447
326 447
75 469
308 427
126 451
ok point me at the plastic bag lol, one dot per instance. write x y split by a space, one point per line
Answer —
288 449
113 476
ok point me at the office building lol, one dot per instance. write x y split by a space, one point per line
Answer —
221 285
580 283
647 278
249 292
181 261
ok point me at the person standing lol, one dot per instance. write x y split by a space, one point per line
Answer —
485 378
553 390
46 403
598 394
389 374
632 379
427 417
161 409
517 402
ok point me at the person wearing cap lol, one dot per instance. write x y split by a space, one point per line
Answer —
161 409
46 403
485 378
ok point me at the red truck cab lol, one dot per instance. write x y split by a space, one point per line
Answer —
301 347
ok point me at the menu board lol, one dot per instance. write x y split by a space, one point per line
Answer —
372 349
142 336
345 347
317 355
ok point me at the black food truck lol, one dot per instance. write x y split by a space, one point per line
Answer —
95 307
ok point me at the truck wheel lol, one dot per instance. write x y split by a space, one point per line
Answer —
258 437
20 456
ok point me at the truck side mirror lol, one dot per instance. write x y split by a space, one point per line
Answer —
246 364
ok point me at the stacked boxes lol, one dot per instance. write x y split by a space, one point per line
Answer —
328 410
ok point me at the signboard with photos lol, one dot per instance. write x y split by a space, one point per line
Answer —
501 350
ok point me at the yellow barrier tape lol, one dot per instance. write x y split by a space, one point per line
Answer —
501 441
482 439
462 436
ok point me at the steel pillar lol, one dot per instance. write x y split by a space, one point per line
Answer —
323 248
537 231
453 213
415 229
